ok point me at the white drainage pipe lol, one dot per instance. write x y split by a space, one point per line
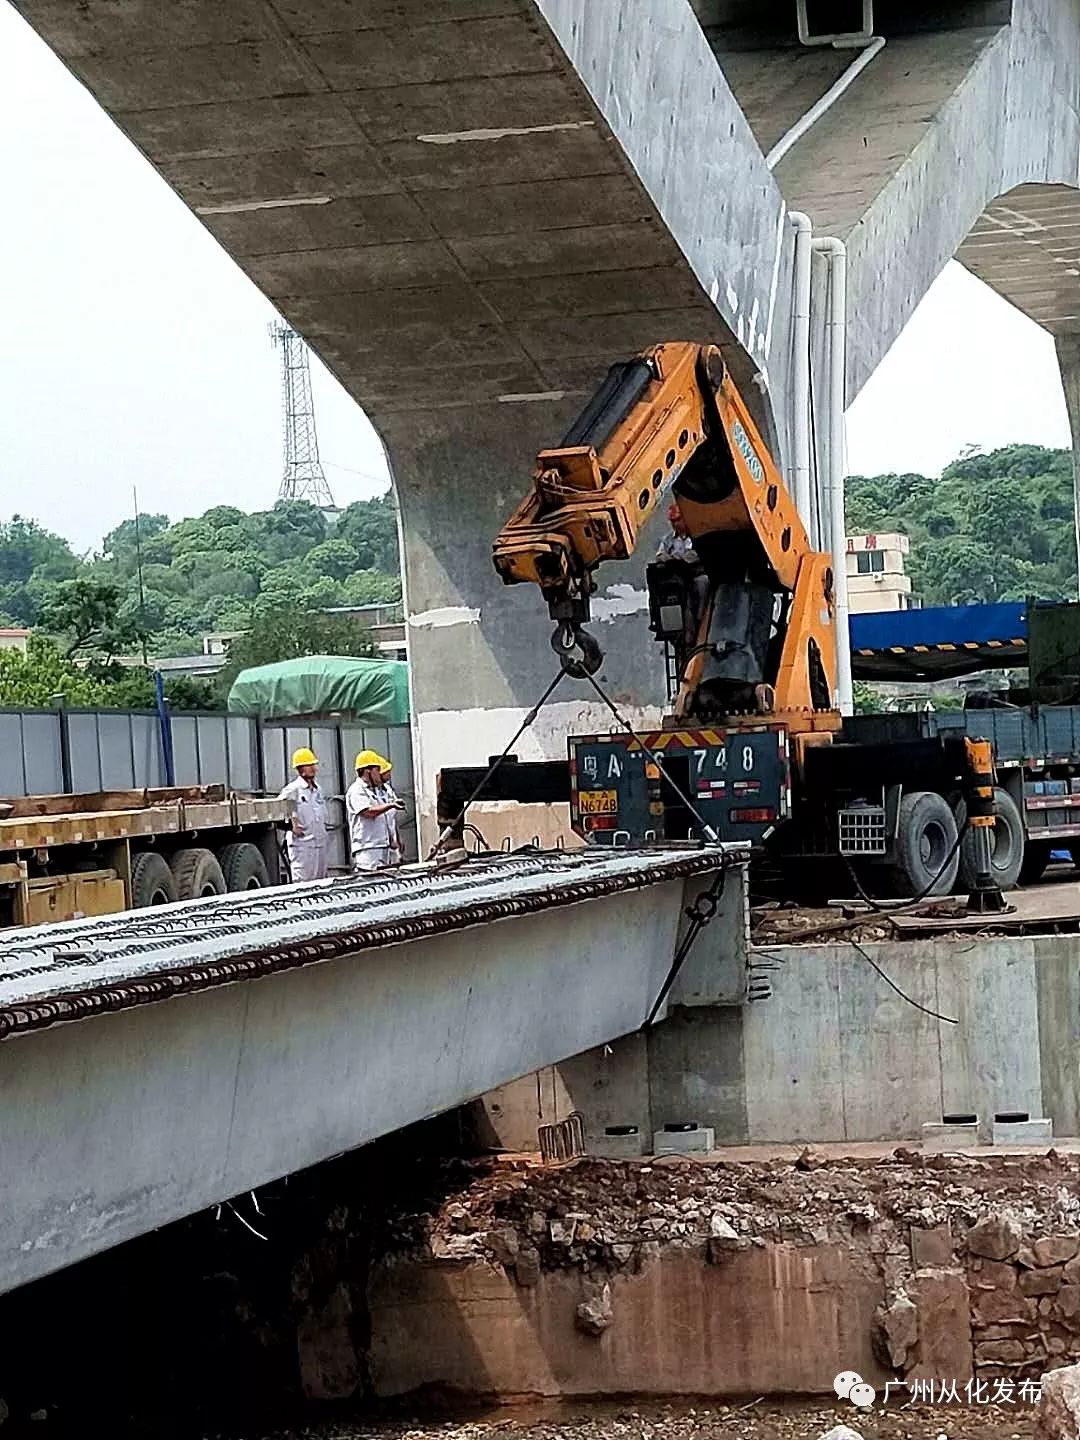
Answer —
814 114
835 253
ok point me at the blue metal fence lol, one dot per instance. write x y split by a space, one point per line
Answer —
50 752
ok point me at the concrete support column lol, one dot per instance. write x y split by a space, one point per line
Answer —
480 653
1068 353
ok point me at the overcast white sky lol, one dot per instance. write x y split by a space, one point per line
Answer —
135 352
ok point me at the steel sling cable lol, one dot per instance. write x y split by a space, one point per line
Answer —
707 832
701 911
448 830
699 914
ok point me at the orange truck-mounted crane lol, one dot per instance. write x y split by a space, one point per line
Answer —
754 748
757 638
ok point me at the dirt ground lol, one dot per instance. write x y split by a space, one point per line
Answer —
702 1422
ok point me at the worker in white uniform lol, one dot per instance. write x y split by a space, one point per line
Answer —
307 839
385 770
372 809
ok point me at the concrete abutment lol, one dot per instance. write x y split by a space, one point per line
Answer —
835 1055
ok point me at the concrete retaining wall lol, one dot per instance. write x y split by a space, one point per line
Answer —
836 1054
779 1320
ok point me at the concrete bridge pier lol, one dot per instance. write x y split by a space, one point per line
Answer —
480 651
619 203
1068 353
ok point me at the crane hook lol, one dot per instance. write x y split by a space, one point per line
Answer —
578 651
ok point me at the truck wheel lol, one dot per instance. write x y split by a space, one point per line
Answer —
925 845
152 882
197 873
1036 859
244 867
1006 844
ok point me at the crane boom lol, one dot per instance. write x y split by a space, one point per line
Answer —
756 633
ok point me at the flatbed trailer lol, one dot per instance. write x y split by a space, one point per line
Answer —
67 856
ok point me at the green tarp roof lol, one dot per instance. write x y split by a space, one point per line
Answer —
372 692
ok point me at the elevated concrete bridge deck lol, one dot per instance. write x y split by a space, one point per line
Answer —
469 207
155 1063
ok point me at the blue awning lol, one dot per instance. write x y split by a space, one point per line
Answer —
940 641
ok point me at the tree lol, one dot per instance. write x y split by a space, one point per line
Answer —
286 634
371 527
335 558
91 616
371 587
30 557
124 542
996 526
26 547
131 687
40 675
208 572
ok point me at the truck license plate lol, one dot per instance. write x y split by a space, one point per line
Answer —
598 802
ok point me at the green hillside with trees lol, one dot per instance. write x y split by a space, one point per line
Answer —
992 527
224 570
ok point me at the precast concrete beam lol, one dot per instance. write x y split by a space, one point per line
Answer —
304 1022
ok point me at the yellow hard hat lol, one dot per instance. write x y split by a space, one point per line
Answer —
304 756
367 758
386 766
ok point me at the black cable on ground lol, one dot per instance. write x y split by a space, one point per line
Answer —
915 899
448 830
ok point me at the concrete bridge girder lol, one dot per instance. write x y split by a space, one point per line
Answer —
115 1124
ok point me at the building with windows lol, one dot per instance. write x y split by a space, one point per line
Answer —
876 577
14 639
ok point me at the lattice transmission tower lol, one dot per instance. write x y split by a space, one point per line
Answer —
303 477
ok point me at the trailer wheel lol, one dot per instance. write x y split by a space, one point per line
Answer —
925 845
1006 847
152 882
197 873
244 867
1036 859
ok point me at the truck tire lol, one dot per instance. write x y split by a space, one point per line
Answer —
1006 845
197 873
1036 859
925 837
243 867
152 882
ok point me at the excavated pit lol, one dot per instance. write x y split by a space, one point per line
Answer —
736 1280
585 1301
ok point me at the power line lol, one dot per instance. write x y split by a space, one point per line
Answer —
383 479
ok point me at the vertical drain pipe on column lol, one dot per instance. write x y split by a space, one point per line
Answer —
799 414
835 254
